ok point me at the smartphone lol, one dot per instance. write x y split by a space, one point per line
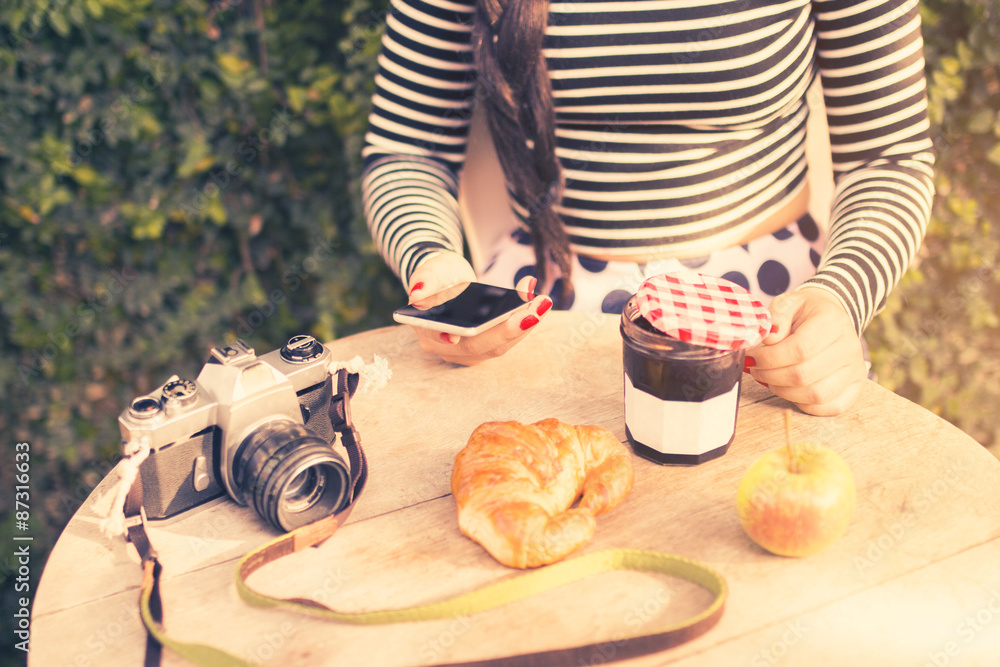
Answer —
474 308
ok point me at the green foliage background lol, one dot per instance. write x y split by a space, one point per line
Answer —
174 174
938 340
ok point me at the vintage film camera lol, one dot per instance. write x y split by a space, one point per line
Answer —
257 428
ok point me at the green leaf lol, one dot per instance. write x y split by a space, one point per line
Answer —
149 126
77 15
297 97
981 121
197 157
94 8
85 175
149 226
232 64
59 23
951 65
994 154
216 211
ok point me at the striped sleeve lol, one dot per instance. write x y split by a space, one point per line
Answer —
415 144
870 57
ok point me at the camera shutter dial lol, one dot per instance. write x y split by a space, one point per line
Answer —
177 394
301 349
182 391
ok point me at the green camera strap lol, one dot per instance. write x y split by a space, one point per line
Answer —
488 597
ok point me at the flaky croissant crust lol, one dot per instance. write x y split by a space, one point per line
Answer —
515 486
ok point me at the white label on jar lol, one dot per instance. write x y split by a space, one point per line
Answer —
680 427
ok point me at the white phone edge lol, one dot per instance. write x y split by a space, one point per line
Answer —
449 328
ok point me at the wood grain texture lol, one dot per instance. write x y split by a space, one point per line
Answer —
919 556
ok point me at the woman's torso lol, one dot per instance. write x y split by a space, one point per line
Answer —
680 126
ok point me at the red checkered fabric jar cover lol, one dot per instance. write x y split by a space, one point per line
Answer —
703 310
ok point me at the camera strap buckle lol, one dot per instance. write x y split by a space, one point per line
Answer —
340 418
150 600
340 412
136 519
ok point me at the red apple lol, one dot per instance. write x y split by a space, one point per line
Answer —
797 500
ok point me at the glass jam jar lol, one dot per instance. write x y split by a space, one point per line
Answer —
681 399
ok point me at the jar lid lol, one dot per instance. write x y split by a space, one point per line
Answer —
703 310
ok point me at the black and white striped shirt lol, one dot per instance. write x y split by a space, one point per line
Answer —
680 126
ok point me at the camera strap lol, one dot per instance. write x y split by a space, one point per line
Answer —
511 590
488 597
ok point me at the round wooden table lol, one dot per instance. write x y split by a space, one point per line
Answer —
915 581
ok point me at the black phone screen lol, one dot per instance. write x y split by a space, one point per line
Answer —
474 307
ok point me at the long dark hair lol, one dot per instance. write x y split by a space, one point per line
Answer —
517 93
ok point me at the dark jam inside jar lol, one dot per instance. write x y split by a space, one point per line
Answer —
671 369
677 424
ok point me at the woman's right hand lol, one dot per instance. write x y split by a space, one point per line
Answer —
448 269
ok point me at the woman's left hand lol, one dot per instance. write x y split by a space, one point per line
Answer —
813 356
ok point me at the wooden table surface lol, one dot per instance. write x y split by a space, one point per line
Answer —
915 581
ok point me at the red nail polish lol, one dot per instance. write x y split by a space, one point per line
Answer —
544 308
774 328
416 287
528 322
763 383
531 288
748 362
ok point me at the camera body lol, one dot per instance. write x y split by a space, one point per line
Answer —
255 428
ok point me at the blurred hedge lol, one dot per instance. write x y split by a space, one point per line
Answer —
172 175
176 174
938 341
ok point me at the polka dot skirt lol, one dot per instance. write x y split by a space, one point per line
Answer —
767 266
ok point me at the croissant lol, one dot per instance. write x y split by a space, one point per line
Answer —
514 485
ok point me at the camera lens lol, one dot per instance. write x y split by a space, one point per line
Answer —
302 492
290 475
